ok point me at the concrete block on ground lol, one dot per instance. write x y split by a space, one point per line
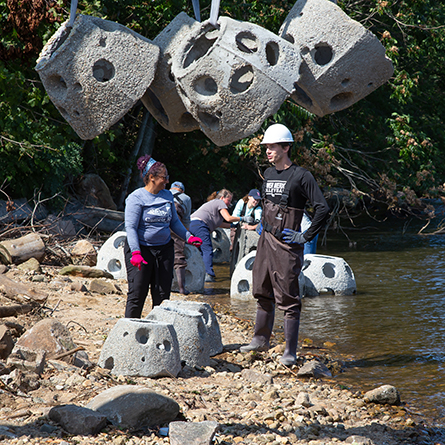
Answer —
194 271
327 274
161 98
210 321
238 69
111 258
241 281
245 242
342 62
95 72
221 246
146 348
194 345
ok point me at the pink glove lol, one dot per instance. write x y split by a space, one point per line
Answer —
194 241
137 259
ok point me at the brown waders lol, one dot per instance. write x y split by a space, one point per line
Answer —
275 280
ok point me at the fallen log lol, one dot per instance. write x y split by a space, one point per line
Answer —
15 309
21 249
13 290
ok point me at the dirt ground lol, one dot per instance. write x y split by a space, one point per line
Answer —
248 411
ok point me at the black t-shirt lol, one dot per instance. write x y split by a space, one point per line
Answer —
304 188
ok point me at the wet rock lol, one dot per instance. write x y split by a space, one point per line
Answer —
104 287
314 369
198 433
386 394
48 335
85 271
131 406
78 420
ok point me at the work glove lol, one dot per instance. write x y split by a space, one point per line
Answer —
194 241
293 237
137 259
247 219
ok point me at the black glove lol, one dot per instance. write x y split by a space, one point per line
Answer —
247 219
293 237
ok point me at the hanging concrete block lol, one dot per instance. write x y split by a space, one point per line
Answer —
210 321
143 348
327 274
161 98
194 347
194 271
95 72
221 246
241 281
342 62
111 256
233 77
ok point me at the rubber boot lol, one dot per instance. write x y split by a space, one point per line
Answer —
263 330
291 326
180 275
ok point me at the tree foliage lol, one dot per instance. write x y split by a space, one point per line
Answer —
388 147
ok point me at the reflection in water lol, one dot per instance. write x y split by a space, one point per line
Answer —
392 331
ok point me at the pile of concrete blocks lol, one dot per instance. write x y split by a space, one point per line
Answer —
221 246
342 62
195 329
327 274
145 348
194 271
111 258
95 72
237 69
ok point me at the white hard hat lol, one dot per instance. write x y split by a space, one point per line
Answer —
277 133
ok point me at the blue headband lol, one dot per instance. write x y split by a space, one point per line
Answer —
148 166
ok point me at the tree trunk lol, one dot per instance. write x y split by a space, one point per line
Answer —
21 249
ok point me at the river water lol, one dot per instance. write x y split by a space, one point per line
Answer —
392 331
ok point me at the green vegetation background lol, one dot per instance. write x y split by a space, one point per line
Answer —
387 149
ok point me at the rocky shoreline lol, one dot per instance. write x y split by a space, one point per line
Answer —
252 397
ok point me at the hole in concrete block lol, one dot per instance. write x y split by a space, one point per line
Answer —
198 48
77 87
301 97
125 334
142 335
247 42
242 79
323 54
209 120
103 41
306 264
272 53
370 84
155 103
328 270
76 113
289 38
249 263
187 120
143 359
170 74
109 363
217 251
114 265
57 85
345 82
202 331
63 112
205 86
341 100
349 271
119 242
216 235
103 70
243 286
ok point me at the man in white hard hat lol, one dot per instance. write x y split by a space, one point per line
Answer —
279 256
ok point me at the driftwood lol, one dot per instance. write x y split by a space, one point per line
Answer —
21 249
15 309
13 290
101 219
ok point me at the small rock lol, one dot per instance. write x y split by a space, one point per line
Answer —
104 287
256 377
386 394
314 369
32 265
84 254
85 271
185 433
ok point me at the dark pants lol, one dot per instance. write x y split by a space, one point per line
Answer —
201 230
156 275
